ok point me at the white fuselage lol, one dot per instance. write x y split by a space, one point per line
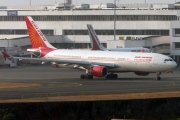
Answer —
129 49
126 61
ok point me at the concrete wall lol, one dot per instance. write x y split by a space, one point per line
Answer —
174 25
59 26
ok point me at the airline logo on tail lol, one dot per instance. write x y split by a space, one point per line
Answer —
37 38
95 43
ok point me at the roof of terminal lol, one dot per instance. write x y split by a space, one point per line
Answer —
63 6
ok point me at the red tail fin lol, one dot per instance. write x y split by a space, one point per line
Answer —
5 55
95 43
37 38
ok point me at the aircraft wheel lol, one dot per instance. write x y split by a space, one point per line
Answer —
82 76
158 78
107 76
112 76
90 76
115 76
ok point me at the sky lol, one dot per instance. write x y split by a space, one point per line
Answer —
51 2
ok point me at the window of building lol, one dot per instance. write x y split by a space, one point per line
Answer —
23 32
118 32
177 31
93 18
177 45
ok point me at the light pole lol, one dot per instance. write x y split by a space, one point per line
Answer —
114 19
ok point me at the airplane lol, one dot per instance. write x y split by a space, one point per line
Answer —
96 45
97 63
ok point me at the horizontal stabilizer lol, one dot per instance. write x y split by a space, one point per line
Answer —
6 55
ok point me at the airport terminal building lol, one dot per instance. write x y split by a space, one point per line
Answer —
155 26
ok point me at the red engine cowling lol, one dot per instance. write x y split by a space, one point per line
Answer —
142 73
99 71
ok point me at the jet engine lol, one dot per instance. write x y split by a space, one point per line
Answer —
142 73
99 71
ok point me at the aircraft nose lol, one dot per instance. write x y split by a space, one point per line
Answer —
175 64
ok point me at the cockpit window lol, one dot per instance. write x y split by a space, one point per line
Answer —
168 60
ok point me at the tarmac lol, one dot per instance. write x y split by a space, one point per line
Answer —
47 84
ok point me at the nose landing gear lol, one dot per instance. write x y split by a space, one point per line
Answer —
158 76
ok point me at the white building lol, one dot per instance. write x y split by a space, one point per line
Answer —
151 25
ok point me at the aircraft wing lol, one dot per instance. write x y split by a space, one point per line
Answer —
82 63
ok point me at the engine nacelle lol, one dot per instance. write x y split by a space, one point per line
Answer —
142 73
99 71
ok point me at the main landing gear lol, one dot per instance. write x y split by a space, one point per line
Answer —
158 76
86 76
109 76
112 76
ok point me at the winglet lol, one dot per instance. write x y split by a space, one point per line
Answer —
95 43
37 38
6 55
